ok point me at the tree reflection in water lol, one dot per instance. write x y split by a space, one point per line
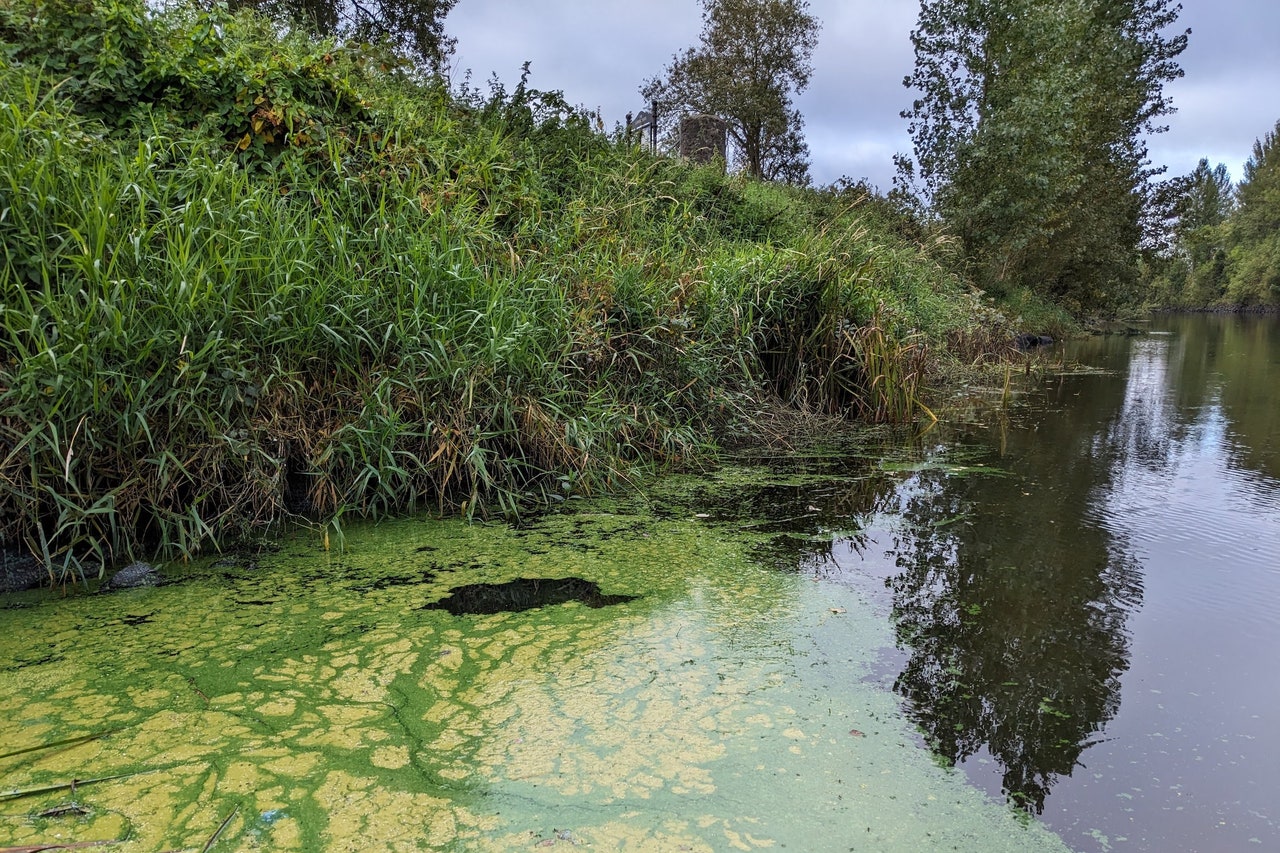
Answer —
1010 594
1013 594
1014 628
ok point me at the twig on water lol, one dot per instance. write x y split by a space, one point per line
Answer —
213 839
36 848
45 789
71 741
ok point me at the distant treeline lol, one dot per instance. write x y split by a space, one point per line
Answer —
1225 251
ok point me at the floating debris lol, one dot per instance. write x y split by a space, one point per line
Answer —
47 789
64 810
132 576
213 839
37 848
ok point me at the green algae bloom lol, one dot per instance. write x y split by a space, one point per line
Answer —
321 702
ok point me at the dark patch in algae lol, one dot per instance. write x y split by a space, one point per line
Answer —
484 599
392 581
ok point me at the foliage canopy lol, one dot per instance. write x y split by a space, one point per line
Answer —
1028 132
1226 244
414 28
1225 249
1259 191
754 57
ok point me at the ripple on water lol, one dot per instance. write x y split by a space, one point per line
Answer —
1208 534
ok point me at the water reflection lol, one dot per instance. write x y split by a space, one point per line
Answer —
1008 598
1014 628
1127 551
1236 371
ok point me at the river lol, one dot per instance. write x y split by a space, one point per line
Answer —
1094 635
1048 625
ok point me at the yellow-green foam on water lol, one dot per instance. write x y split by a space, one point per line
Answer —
315 702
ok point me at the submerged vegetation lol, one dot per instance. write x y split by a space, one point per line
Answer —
249 277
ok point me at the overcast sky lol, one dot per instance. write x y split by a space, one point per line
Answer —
599 51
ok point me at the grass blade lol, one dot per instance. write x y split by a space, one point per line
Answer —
46 789
71 741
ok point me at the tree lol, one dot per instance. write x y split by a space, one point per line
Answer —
1203 203
1028 134
1259 190
1189 265
415 28
1206 197
754 57
1255 227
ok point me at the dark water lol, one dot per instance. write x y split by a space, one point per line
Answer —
1085 589
523 594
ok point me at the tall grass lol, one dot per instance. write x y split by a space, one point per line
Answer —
421 300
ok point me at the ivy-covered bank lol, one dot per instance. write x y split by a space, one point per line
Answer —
247 278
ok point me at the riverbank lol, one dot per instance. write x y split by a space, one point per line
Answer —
253 281
1219 309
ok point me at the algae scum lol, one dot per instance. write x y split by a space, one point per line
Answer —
614 678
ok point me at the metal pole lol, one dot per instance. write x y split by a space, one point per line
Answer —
653 128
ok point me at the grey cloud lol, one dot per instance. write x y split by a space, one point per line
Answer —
599 53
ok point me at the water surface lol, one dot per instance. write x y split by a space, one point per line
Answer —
1090 629
661 688
1046 625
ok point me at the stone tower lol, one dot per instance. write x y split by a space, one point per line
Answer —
703 139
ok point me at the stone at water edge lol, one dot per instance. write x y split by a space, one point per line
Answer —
20 572
132 576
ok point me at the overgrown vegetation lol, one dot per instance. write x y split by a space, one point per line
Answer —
248 277
1225 251
413 28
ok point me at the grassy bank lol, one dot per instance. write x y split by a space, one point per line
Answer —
246 279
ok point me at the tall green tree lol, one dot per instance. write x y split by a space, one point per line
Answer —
1255 227
415 28
1205 198
754 57
1029 132
1191 268
1259 190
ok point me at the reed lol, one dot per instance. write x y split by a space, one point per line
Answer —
398 298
